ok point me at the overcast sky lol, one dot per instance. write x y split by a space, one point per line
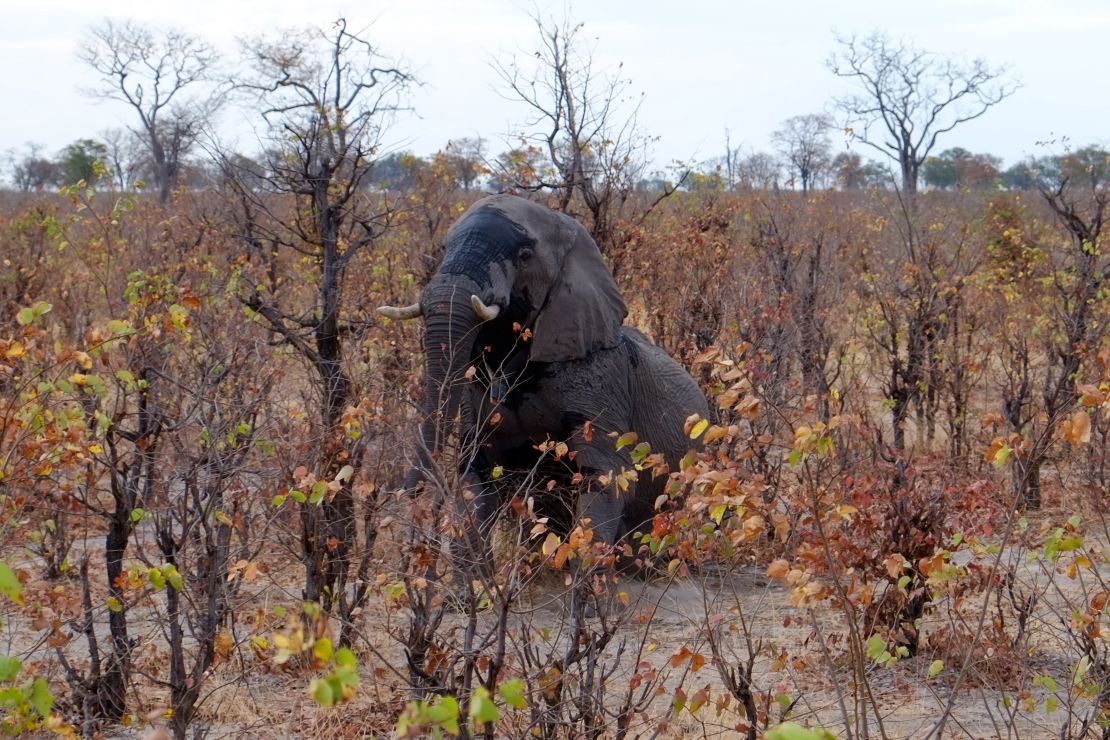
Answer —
702 66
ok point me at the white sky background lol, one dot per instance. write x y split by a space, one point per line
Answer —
702 65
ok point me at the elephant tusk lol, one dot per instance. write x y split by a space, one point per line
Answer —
487 313
401 313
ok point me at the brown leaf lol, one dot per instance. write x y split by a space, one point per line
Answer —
778 569
1077 429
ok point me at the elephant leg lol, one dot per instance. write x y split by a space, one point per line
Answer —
601 506
592 592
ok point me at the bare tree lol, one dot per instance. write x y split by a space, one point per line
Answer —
804 142
154 71
125 157
31 170
911 97
1039 392
731 155
584 121
326 97
758 171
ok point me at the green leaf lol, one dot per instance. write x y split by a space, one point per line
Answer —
678 701
9 667
9 584
344 658
482 708
319 489
170 571
117 327
29 314
688 460
114 604
935 668
445 714
512 692
41 698
626 439
322 693
875 647
794 731
322 650
1071 542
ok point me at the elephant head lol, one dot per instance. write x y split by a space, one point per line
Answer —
510 265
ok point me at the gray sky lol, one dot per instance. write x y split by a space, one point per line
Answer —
703 66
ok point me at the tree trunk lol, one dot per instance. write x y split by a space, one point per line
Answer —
1026 481
329 528
162 179
112 690
909 175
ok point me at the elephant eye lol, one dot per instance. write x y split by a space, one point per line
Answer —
525 254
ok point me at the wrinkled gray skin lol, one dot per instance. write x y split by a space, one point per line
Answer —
544 272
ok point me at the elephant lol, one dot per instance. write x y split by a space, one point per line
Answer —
525 344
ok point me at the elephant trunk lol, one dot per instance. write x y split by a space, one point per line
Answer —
450 329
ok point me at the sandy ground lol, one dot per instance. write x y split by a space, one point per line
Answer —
801 658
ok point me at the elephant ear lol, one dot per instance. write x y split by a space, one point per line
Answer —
584 310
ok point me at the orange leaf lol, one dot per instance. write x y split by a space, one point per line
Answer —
1077 429
714 433
561 555
930 565
778 569
1090 395
894 565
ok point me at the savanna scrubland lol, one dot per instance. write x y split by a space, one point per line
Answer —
892 524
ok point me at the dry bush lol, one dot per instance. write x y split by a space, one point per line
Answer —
804 565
